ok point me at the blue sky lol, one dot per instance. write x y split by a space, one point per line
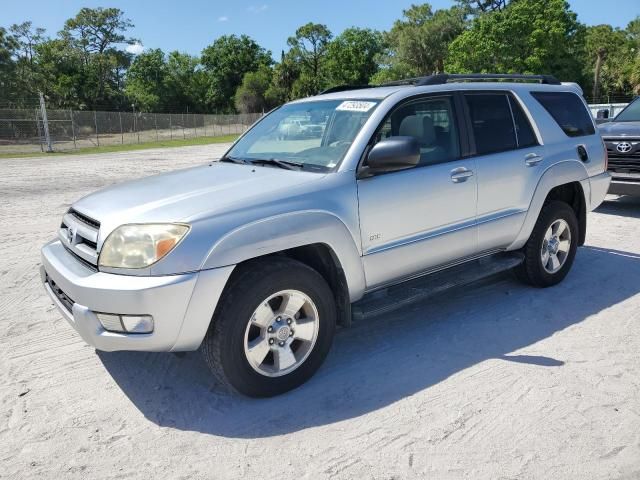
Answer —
190 25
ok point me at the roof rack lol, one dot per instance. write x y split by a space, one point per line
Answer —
443 78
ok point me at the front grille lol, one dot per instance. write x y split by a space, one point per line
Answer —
79 235
83 218
623 162
65 300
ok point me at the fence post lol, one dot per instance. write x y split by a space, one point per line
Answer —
95 121
45 123
39 130
73 130
170 128
121 132
195 124
183 135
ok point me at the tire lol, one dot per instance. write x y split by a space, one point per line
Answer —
246 311
534 270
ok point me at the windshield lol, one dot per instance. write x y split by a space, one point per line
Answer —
309 135
631 113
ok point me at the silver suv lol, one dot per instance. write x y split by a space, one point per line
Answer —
256 258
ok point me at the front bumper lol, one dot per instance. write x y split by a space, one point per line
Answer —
625 186
181 305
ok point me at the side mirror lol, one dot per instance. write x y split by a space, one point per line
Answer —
392 154
602 113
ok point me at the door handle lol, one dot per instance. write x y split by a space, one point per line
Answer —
461 174
532 159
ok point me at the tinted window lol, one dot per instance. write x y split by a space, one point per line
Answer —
568 111
431 121
492 123
524 133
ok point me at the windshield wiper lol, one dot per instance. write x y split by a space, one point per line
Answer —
278 163
235 160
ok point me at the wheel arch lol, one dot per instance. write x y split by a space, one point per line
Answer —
566 181
318 239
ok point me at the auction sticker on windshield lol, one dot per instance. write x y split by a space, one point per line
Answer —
355 106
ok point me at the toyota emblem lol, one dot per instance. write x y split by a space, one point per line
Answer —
623 147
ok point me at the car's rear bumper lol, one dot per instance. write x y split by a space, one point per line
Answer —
599 184
181 305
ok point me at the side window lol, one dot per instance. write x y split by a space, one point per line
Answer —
430 120
568 111
524 133
491 122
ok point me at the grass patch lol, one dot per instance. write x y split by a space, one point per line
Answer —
129 147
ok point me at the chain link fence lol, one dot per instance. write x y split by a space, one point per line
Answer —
24 131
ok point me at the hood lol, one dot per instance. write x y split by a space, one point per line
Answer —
620 129
180 195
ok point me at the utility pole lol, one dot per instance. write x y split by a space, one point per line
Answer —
45 123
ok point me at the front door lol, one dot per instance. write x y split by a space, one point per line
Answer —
424 217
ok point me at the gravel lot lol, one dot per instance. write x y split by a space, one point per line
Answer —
493 381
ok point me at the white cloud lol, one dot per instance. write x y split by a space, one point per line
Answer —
135 48
257 8
223 19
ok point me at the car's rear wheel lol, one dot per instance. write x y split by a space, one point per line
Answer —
551 248
272 329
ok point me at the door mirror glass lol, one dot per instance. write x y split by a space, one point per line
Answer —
392 154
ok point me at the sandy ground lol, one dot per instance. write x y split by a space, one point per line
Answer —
493 381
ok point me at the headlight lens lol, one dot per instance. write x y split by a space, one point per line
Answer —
138 246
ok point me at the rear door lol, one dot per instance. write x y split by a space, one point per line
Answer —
509 163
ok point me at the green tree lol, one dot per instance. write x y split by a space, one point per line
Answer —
255 94
185 83
606 50
477 7
352 56
309 49
98 33
533 36
419 42
146 77
61 74
8 46
226 61
285 74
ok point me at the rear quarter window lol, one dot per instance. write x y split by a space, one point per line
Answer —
568 111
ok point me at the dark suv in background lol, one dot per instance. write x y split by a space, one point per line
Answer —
622 138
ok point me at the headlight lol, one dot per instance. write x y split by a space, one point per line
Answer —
138 246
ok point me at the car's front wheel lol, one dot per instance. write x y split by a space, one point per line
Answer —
272 329
552 246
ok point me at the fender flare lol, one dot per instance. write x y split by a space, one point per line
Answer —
290 230
568 171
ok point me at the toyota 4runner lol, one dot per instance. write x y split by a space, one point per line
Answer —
256 258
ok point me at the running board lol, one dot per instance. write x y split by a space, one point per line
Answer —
418 289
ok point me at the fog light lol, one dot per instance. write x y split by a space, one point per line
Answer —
110 322
126 323
137 323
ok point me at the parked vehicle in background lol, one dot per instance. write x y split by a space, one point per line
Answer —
256 258
622 139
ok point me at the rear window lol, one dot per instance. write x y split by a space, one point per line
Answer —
568 111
